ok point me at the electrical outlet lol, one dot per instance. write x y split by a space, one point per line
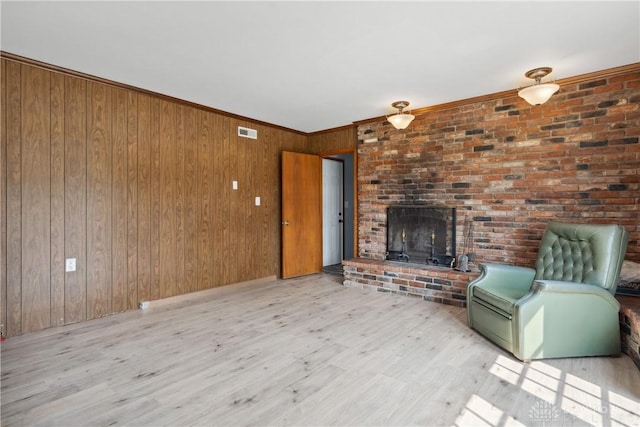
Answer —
70 265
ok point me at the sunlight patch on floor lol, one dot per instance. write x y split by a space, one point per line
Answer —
583 400
479 412
507 369
623 411
560 398
542 381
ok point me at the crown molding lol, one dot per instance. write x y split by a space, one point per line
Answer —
610 72
71 73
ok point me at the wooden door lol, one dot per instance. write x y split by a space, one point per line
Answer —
301 214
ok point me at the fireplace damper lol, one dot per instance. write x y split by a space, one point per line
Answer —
421 234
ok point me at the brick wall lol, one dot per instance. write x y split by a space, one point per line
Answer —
510 167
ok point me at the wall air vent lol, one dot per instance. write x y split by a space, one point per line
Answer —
247 133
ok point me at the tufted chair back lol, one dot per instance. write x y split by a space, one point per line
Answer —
582 253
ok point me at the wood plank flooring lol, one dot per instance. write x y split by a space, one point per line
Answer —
305 351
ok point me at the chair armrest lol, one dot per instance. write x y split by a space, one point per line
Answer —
565 319
578 289
499 275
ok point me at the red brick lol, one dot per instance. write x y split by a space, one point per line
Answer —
554 165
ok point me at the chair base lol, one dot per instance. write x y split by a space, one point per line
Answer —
500 331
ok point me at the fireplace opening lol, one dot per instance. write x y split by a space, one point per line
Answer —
421 234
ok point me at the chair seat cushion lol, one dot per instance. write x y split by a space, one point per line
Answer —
503 298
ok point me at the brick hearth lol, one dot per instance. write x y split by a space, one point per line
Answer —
630 327
431 283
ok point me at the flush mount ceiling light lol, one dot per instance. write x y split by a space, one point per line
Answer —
400 120
539 93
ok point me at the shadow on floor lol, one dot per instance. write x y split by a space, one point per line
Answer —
333 269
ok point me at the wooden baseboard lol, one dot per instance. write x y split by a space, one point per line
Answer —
200 295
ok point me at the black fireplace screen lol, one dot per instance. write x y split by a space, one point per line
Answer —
421 234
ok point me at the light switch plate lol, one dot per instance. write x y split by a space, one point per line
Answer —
257 201
70 265
234 185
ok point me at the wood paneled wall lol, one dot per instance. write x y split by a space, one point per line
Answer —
137 188
342 139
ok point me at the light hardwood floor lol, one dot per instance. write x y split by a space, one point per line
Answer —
304 351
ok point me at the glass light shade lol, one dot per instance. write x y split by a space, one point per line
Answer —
401 121
538 94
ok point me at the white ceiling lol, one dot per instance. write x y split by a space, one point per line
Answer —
311 66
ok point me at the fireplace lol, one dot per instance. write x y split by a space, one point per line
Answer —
421 234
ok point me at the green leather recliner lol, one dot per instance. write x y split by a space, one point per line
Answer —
565 307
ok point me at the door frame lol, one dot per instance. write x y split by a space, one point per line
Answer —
341 207
354 153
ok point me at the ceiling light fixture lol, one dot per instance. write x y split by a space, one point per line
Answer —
400 120
539 93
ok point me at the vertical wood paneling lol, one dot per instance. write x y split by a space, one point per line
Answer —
212 132
167 198
272 179
75 198
225 212
155 198
191 200
341 139
263 214
221 190
3 197
271 171
279 141
235 201
132 200
36 193
136 188
261 254
228 129
119 211
205 182
99 162
14 199
179 285
144 198
57 199
244 215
